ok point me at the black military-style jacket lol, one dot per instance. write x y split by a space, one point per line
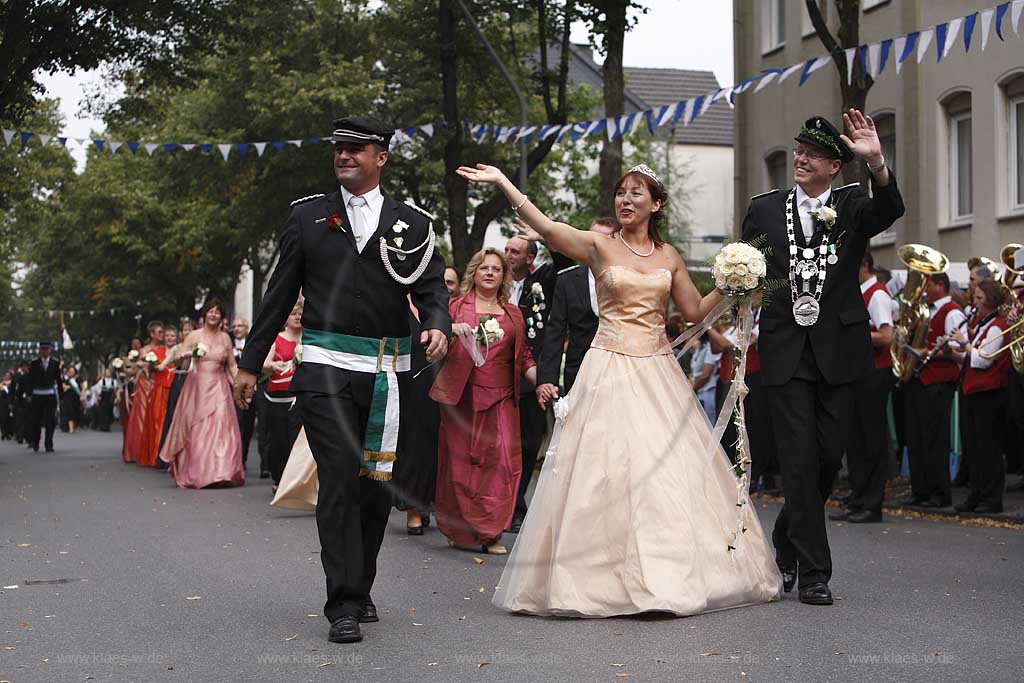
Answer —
840 340
346 291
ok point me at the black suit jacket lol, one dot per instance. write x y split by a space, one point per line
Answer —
840 340
37 378
546 275
572 316
346 291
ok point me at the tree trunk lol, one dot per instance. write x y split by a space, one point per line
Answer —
610 165
456 188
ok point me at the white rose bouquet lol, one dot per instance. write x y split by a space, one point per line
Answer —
200 350
151 358
117 363
826 215
488 331
739 269
133 355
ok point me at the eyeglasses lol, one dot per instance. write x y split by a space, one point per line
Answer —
797 153
491 269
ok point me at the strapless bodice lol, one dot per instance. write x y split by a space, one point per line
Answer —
632 311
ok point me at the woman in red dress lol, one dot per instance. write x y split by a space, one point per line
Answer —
479 455
161 375
282 418
135 429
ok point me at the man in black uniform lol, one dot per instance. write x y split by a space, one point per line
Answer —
814 339
356 254
44 376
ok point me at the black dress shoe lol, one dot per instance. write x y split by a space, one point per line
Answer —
517 524
966 506
864 517
788 578
264 474
910 500
369 613
841 515
987 508
345 630
426 520
414 530
816 594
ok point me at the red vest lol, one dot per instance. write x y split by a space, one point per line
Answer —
995 376
284 350
939 369
883 358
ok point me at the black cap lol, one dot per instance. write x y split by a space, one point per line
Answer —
819 132
361 131
45 344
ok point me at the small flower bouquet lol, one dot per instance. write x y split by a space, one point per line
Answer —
297 358
133 355
117 364
739 269
488 331
151 358
200 350
826 215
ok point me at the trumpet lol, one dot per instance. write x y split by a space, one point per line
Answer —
1013 314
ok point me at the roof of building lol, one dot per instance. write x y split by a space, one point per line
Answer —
648 88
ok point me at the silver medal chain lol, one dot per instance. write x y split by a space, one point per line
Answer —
794 255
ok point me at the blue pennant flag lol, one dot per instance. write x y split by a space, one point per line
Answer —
99 144
680 108
647 118
410 132
242 148
206 147
313 141
940 39
277 145
578 130
969 22
884 58
1000 13
908 47
661 113
696 108
805 72
25 138
63 141
862 56
169 146
133 146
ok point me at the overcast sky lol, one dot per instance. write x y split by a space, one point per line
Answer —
676 34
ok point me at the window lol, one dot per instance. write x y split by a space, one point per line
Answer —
959 155
773 25
885 126
777 166
1014 91
871 4
807 28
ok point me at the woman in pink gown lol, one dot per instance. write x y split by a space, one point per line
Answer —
204 445
479 455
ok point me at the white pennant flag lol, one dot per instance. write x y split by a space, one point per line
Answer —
789 72
874 55
562 131
1018 5
923 41
688 111
225 150
898 46
260 146
954 28
428 129
8 134
149 147
43 138
297 143
850 52
764 82
818 63
80 141
610 127
114 145
667 115
549 132
986 24
188 146
524 132
637 122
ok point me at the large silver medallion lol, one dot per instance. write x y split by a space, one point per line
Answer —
807 269
806 310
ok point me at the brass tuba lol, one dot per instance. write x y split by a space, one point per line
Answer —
912 326
1013 312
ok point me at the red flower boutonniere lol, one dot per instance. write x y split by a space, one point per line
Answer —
335 223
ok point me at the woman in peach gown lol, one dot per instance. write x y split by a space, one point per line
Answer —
637 508
204 445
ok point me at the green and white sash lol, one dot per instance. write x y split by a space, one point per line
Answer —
382 357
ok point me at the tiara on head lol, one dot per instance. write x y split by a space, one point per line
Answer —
647 171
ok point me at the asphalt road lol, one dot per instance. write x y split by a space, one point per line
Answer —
122 577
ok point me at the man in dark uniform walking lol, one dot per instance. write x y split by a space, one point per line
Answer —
814 337
356 255
44 376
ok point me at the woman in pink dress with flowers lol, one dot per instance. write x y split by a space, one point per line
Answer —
204 445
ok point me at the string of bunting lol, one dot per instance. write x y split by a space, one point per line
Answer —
89 312
871 58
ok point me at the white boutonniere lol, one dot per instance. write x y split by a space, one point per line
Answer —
536 290
400 226
826 216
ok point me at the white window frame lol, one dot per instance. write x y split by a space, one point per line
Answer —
806 27
783 154
954 166
1014 202
887 236
771 42
865 5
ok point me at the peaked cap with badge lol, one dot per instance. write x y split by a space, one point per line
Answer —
819 132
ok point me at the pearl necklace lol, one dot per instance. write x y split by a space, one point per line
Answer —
623 240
